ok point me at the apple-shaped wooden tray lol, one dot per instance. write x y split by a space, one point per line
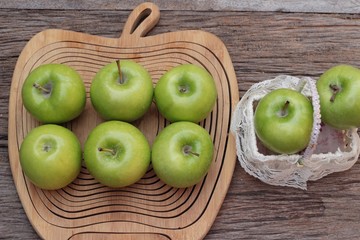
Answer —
148 209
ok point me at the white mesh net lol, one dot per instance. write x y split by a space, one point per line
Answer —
329 150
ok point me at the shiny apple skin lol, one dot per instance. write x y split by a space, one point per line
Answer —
344 111
175 167
51 156
127 101
185 93
66 100
286 134
128 163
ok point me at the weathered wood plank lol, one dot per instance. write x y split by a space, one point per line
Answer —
262 45
319 6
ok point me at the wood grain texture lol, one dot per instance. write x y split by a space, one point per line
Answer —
319 6
261 45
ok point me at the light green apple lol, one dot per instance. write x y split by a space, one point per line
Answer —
182 154
339 91
116 153
283 121
50 156
54 93
185 93
122 90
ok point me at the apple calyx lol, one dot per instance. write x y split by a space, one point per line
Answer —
184 88
121 77
284 110
112 151
188 150
335 90
46 89
46 147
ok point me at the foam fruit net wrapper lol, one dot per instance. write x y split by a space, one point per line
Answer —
329 150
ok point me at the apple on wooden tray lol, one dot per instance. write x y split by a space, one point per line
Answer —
116 153
122 90
51 156
182 154
185 93
54 93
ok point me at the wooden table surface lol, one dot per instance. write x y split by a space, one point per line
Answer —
264 39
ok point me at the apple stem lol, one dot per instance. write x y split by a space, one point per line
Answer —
38 86
187 151
335 90
121 79
284 109
193 153
112 151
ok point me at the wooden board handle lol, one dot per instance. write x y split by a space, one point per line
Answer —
141 20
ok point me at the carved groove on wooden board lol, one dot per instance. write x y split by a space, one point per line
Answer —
149 207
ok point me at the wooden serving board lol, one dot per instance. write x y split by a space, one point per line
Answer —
148 209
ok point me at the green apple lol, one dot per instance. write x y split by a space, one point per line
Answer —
54 93
339 91
182 154
122 90
50 156
185 93
283 121
117 154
